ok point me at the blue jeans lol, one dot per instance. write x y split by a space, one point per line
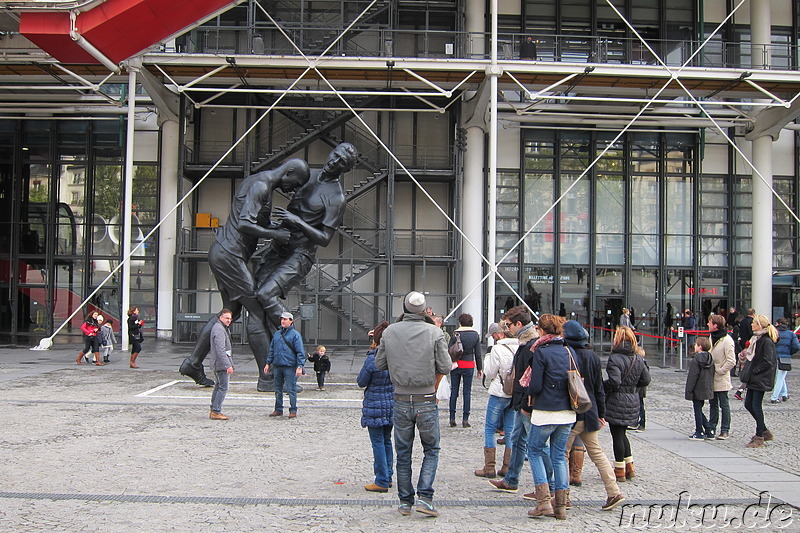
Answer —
537 450
519 450
497 409
220 390
285 374
701 424
717 403
780 385
382 454
424 416
456 376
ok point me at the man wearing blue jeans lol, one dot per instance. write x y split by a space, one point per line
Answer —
414 351
221 362
287 357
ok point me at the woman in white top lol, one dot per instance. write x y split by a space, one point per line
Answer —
497 369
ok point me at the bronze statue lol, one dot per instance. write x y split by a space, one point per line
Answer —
309 221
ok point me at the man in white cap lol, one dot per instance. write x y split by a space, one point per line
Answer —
414 351
286 357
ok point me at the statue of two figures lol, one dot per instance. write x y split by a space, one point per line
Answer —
259 279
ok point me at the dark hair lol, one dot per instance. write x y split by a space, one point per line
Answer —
516 314
225 311
783 321
377 332
109 321
132 309
465 319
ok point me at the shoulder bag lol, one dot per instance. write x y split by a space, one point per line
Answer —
456 350
579 400
508 380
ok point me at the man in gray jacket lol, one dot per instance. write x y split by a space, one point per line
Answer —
414 351
220 359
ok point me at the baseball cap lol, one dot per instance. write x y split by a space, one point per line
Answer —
494 327
287 314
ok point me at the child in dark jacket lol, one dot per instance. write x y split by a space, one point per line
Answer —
700 387
322 365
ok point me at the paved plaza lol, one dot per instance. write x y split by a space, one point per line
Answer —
115 450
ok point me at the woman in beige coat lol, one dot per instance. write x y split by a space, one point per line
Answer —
724 357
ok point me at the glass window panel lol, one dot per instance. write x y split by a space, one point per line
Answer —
713 244
679 250
644 283
539 248
610 202
537 201
644 249
574 248
504 244
720 229
712 214
645 204
574 207
539 289
573 292
714 259
507 179
679 204
507 224
508 210
608 281
508 194
610 249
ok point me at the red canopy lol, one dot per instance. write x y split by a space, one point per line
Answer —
118 28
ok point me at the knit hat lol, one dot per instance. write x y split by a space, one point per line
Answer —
574 331
414 302
494 327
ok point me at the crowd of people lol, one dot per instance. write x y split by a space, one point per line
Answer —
530 401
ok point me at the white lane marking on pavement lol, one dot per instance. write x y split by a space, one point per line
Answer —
164 386
269 398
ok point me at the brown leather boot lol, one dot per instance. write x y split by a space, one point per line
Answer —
630 471
97 360
755 442
619 471
544 506
560 507
133 360
506 461
768 435
488 464
576 457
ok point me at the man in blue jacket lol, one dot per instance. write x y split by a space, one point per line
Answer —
287 357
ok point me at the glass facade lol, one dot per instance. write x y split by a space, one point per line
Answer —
640 229
61 224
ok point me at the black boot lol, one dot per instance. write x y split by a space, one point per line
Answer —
197 374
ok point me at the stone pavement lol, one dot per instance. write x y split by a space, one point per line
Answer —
115 450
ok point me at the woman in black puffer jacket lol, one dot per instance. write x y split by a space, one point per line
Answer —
627 372
470 361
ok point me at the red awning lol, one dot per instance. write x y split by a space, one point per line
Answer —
119 29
